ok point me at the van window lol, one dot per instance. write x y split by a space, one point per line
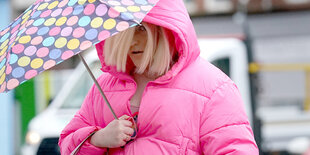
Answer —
222 64
79 92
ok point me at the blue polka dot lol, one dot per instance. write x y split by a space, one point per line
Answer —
126 16
72 2
43 31
142 2
48 41
18 72
3 38
21 31
36 14
13 58
91 34
55 53
16 22
78 9
38 22
84 21
2 62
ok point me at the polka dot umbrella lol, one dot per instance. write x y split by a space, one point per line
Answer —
51 31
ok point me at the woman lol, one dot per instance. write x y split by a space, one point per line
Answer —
185 104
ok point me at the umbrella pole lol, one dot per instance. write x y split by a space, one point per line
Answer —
97 84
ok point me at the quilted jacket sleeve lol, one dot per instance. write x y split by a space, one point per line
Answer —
79 128
224 127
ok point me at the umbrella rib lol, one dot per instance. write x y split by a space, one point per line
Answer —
98 86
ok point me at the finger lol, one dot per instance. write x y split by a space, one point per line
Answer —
127 138
124 117
129 131
126 123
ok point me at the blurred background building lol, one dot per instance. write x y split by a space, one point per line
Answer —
277 34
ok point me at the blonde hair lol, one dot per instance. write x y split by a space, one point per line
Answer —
157 55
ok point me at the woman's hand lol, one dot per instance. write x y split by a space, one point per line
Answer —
115 134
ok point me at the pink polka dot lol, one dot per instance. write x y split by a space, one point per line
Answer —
4 31
49 64
29 22
37 40
78 32
8 69
15 28
29 51
32 13
66 55
128 2
146 8
89 9
54 31
3 86
42 52
18 48
121 26
12 83
67 11
103 35
72 20
30 74
23 26
113 13
139 15
57 12
66 31
14 35
85 45
32 30
45 13
101 10
63 3
12 40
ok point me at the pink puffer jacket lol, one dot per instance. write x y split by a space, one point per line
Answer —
193 109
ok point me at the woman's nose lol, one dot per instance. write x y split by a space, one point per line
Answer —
134 42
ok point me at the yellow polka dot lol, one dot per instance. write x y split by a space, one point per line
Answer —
26 19
42 6
109 24
97 22
133 8
24 39
120 9
23 61
60 42
3 50
73 44
81 2
53 5
91 1
2 78
50 22
61 21
2 70
5 43
36 63
26 14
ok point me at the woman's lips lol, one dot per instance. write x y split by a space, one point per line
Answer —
136 52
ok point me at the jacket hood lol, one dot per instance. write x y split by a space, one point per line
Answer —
172 15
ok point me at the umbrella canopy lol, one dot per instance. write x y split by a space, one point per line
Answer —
51 31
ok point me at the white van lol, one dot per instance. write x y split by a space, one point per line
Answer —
228 54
